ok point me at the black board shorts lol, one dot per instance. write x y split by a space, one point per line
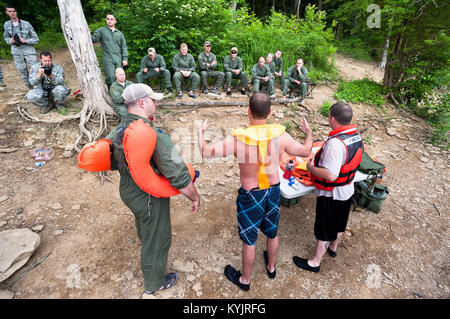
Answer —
331 217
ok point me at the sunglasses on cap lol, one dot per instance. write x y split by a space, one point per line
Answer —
233 52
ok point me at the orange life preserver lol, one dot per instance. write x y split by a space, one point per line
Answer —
95 156
139 142
300 172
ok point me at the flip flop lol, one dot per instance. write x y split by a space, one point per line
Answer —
303 263
170 281
270 274
233 275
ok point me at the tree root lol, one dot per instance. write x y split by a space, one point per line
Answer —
85 117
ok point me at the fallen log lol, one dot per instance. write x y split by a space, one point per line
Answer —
217 103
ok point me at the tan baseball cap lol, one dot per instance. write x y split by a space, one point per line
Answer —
151 51
138 91
234 49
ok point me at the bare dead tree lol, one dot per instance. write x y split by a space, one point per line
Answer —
96 102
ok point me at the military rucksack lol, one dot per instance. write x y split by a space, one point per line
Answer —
368 193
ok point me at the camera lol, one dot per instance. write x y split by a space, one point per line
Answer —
16 38
47 70
47 89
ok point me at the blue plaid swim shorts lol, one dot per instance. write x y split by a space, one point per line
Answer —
258 209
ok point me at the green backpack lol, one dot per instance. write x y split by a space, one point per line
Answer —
370 199
368 194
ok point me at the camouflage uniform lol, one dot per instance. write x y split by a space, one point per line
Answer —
209 72
24 53
257 75
115 92
185 63
293 75
228 65
152 214
115 51
59 92
157 62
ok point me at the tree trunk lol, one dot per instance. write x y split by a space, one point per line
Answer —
78 38
96 99
319 5
297 8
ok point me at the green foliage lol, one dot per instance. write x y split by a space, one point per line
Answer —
355 48
360 91
325 108
307 38
164 25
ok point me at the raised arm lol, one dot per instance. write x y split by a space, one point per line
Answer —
220 149
293 147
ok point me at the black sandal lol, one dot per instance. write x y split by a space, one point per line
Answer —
233 275
270 274
170 281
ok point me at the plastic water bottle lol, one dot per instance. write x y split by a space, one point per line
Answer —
288 169
39 164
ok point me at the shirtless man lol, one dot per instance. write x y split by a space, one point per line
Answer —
258 150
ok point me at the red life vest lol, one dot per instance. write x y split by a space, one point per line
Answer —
355 149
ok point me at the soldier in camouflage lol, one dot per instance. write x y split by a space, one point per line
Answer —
22 38
1 77
49 89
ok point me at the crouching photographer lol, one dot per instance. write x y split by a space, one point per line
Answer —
49 90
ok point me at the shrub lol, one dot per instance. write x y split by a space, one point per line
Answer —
360 91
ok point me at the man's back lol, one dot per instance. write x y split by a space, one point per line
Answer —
250 159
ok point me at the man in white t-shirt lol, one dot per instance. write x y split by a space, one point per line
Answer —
332 172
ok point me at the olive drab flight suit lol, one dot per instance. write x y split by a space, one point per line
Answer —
152 215
186 63
114 51
293 75
115 91
209 72
257 75
157 62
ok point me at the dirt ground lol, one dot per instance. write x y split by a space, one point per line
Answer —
401 252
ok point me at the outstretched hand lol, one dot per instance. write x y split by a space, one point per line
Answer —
205 126
304 126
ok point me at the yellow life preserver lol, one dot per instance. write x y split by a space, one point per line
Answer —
259 135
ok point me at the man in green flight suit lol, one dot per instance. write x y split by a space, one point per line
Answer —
116 91
207 64
261 76
152 214
154 66
296 78
114 46
233 67
184 67
278 68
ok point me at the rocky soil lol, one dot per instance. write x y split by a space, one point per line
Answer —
90 237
